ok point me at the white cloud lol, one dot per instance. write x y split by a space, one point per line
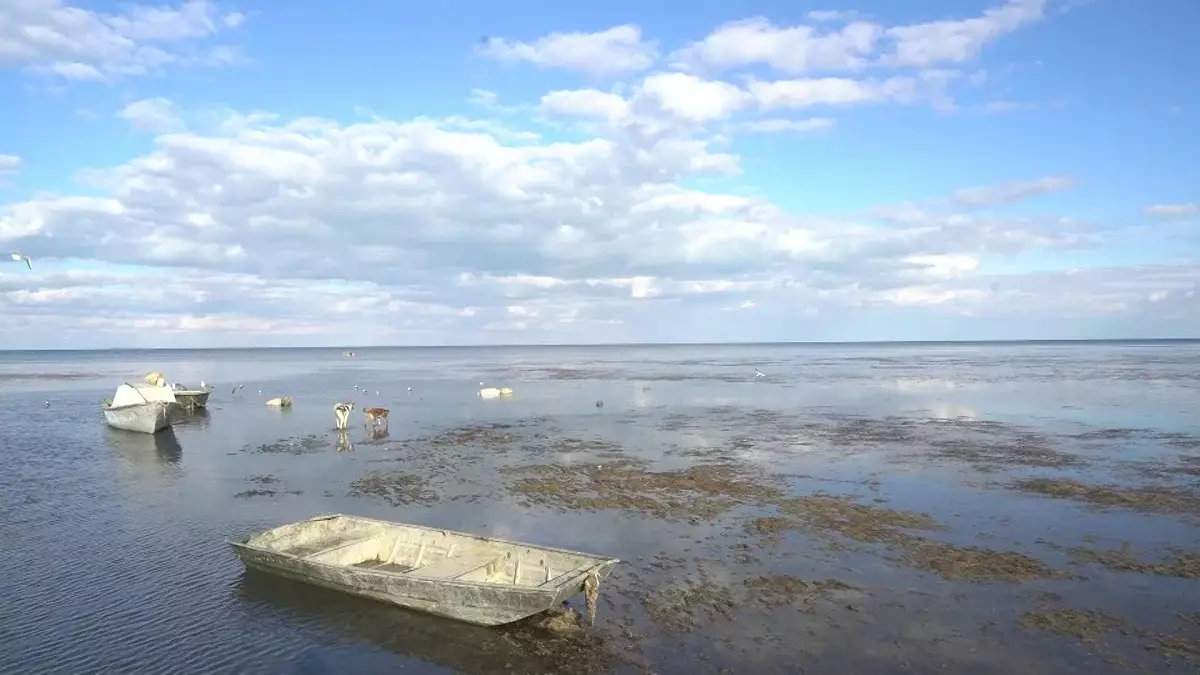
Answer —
459 222
1172 210
855 45
1013 191
810 125
694 99
592 214
619 49
73 42
791 50
586 103
152 114
831 91
9 164
943 266
962 40
831 15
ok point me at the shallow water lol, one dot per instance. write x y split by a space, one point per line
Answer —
114 544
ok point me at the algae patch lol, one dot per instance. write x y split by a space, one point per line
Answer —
700 491
394 487
1179 564
1149 498
1084 625
301 445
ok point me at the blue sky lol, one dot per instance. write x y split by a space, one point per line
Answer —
252 173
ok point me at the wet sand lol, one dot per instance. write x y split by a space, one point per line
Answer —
760 530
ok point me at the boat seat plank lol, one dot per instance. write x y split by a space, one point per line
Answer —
452 568
303 553
566 574
377 566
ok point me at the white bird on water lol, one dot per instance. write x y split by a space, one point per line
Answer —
18 256
758 373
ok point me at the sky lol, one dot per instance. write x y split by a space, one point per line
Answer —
252 173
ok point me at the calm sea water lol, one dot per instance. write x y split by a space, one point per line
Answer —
114 556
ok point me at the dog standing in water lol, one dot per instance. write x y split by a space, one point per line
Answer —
375 416
341 415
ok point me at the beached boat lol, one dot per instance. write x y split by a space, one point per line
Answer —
192 399
139 408
461 576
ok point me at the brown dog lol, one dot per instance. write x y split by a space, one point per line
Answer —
375 416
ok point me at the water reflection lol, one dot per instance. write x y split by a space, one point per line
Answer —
198 417
641 395
919 384
459 646
378 433
146 449
343 441
947 410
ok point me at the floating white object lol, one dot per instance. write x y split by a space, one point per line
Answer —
280 402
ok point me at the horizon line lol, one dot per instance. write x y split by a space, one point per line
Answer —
631 344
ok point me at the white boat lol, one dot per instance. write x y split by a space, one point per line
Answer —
461 576
146 409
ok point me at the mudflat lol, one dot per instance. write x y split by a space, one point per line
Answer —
994 508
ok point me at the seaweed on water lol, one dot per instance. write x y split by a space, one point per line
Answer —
1147 498
1179 564
975 564
686 606
302 445
785 589
394 487
1084 625
700 491
247 494
845 516
824 515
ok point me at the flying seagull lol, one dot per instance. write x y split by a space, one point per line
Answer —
758 373
18 256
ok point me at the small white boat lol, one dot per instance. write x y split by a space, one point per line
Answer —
140 408
461 576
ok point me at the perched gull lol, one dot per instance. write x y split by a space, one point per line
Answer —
18 256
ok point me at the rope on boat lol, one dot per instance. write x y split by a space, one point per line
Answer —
591 591
139 392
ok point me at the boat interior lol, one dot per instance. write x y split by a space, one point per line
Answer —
422 552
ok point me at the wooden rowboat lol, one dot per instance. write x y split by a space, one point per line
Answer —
461 576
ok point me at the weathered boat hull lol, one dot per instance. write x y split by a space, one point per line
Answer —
191 399
287 552
147 418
